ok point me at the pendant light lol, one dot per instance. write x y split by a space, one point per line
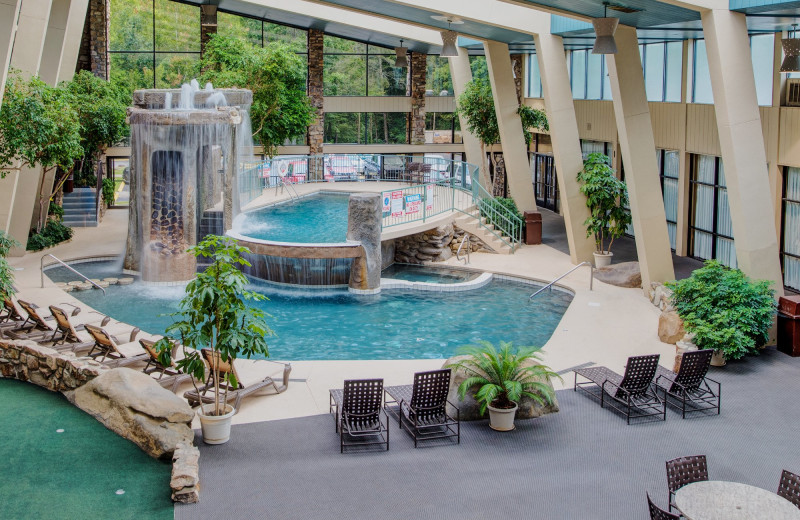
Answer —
791 51
402 56
449 37
604 29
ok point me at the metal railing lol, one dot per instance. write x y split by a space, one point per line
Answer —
293 195
469 248
550 285
499 221
41 271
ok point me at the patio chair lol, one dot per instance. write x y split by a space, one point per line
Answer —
789 487
358 410
10 312
631 394
34 327
238 392
422 407
165 375
690 386
656 513
110 352
683 471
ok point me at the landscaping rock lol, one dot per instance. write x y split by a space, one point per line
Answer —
670 327
625 274
136 407
469 408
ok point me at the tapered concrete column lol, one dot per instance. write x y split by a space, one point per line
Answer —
54 41
31 30
639 155
742 144
566 143
9 13
515 152
461 74
73 33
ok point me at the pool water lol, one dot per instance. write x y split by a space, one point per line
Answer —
418 273
335 324
318 218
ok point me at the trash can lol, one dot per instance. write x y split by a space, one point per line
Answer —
533 228
789 325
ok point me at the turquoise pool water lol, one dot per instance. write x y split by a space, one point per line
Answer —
334 324
418 273
299 221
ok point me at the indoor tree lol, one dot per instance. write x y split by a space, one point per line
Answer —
606 198
6 272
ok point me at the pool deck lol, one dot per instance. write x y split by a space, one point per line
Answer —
602 326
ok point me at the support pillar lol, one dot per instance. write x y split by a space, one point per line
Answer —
316 130
742 143
31 30
54 41
566 142
208 25
639 155
461 74
9 13
419 72
73 34
515 155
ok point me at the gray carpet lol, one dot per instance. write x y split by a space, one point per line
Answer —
583 462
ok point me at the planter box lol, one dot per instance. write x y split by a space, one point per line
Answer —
789 305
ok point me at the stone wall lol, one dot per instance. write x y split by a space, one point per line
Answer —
516 66
45 367
419 69
315 67
93 54
434 245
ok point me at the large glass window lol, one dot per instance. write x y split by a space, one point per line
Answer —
353 68
533 85
710 229
653 63
669 169
588 75
790 244
763 55
365 128
578 74
442 128
674 72
437 80
701 78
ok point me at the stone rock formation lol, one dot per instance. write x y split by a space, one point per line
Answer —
670 327
625 274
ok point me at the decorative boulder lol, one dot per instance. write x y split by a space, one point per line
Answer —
625 274
670 327
136 407
470 410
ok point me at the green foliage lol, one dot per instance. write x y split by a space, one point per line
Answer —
108 191
724 309
532 118
495 209
56 211
500 376
606 198
38 125
6 272
476 106
281 109
53 233
215 314
101 107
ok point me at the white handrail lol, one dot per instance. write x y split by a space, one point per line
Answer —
550 285
41 271
469 248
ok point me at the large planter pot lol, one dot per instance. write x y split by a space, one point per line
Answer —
718 359
502 419
216 428
602 259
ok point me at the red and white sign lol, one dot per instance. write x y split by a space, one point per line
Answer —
429 197
397 203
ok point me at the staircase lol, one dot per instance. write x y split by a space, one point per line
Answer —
473 223
79 208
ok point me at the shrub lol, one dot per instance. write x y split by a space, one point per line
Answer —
724 309
495 209
56 211
6 273
53 233
108 191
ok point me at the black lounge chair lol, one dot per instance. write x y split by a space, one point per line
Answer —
656 513
422 407
632 394
683 471
358 411
789 487
690 386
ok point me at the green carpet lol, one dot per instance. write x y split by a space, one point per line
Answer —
75 474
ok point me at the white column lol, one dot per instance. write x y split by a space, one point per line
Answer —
29 44
742 143
639 156
9 12
461 74
63 40
560 110
515 152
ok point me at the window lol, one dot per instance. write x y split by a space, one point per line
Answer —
353 68
365 128
442 128
669 169
437 80
588 75
653 65
533 84
710 230
701 79
578 74
790 243
762 52
673 72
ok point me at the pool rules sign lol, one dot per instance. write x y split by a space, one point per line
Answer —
397 203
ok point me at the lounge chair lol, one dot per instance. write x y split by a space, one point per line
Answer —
34 327
789 487
632 394
690 386
656 513
74 333
683 471
10 312
110 352
165 375
206 394
359 414
422 407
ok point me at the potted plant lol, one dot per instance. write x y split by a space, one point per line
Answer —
725 310
215 315
606 198
502 378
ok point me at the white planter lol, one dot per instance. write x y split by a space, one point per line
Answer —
216 428
718 359
602 259
502 419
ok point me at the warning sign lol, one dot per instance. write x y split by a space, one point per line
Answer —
413 203
397 204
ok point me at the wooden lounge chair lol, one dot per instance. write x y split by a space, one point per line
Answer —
10 313
690 386
789 487
359 414
34 327
165 375
67 331
112 353
206 394
632 394
422 407
683 471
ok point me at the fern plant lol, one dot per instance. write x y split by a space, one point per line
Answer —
500 376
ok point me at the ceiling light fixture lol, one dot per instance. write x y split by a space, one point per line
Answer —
402 55
604 29
791 51
449 37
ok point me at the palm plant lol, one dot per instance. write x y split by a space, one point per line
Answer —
501 375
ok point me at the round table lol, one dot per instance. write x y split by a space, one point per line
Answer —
720 500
